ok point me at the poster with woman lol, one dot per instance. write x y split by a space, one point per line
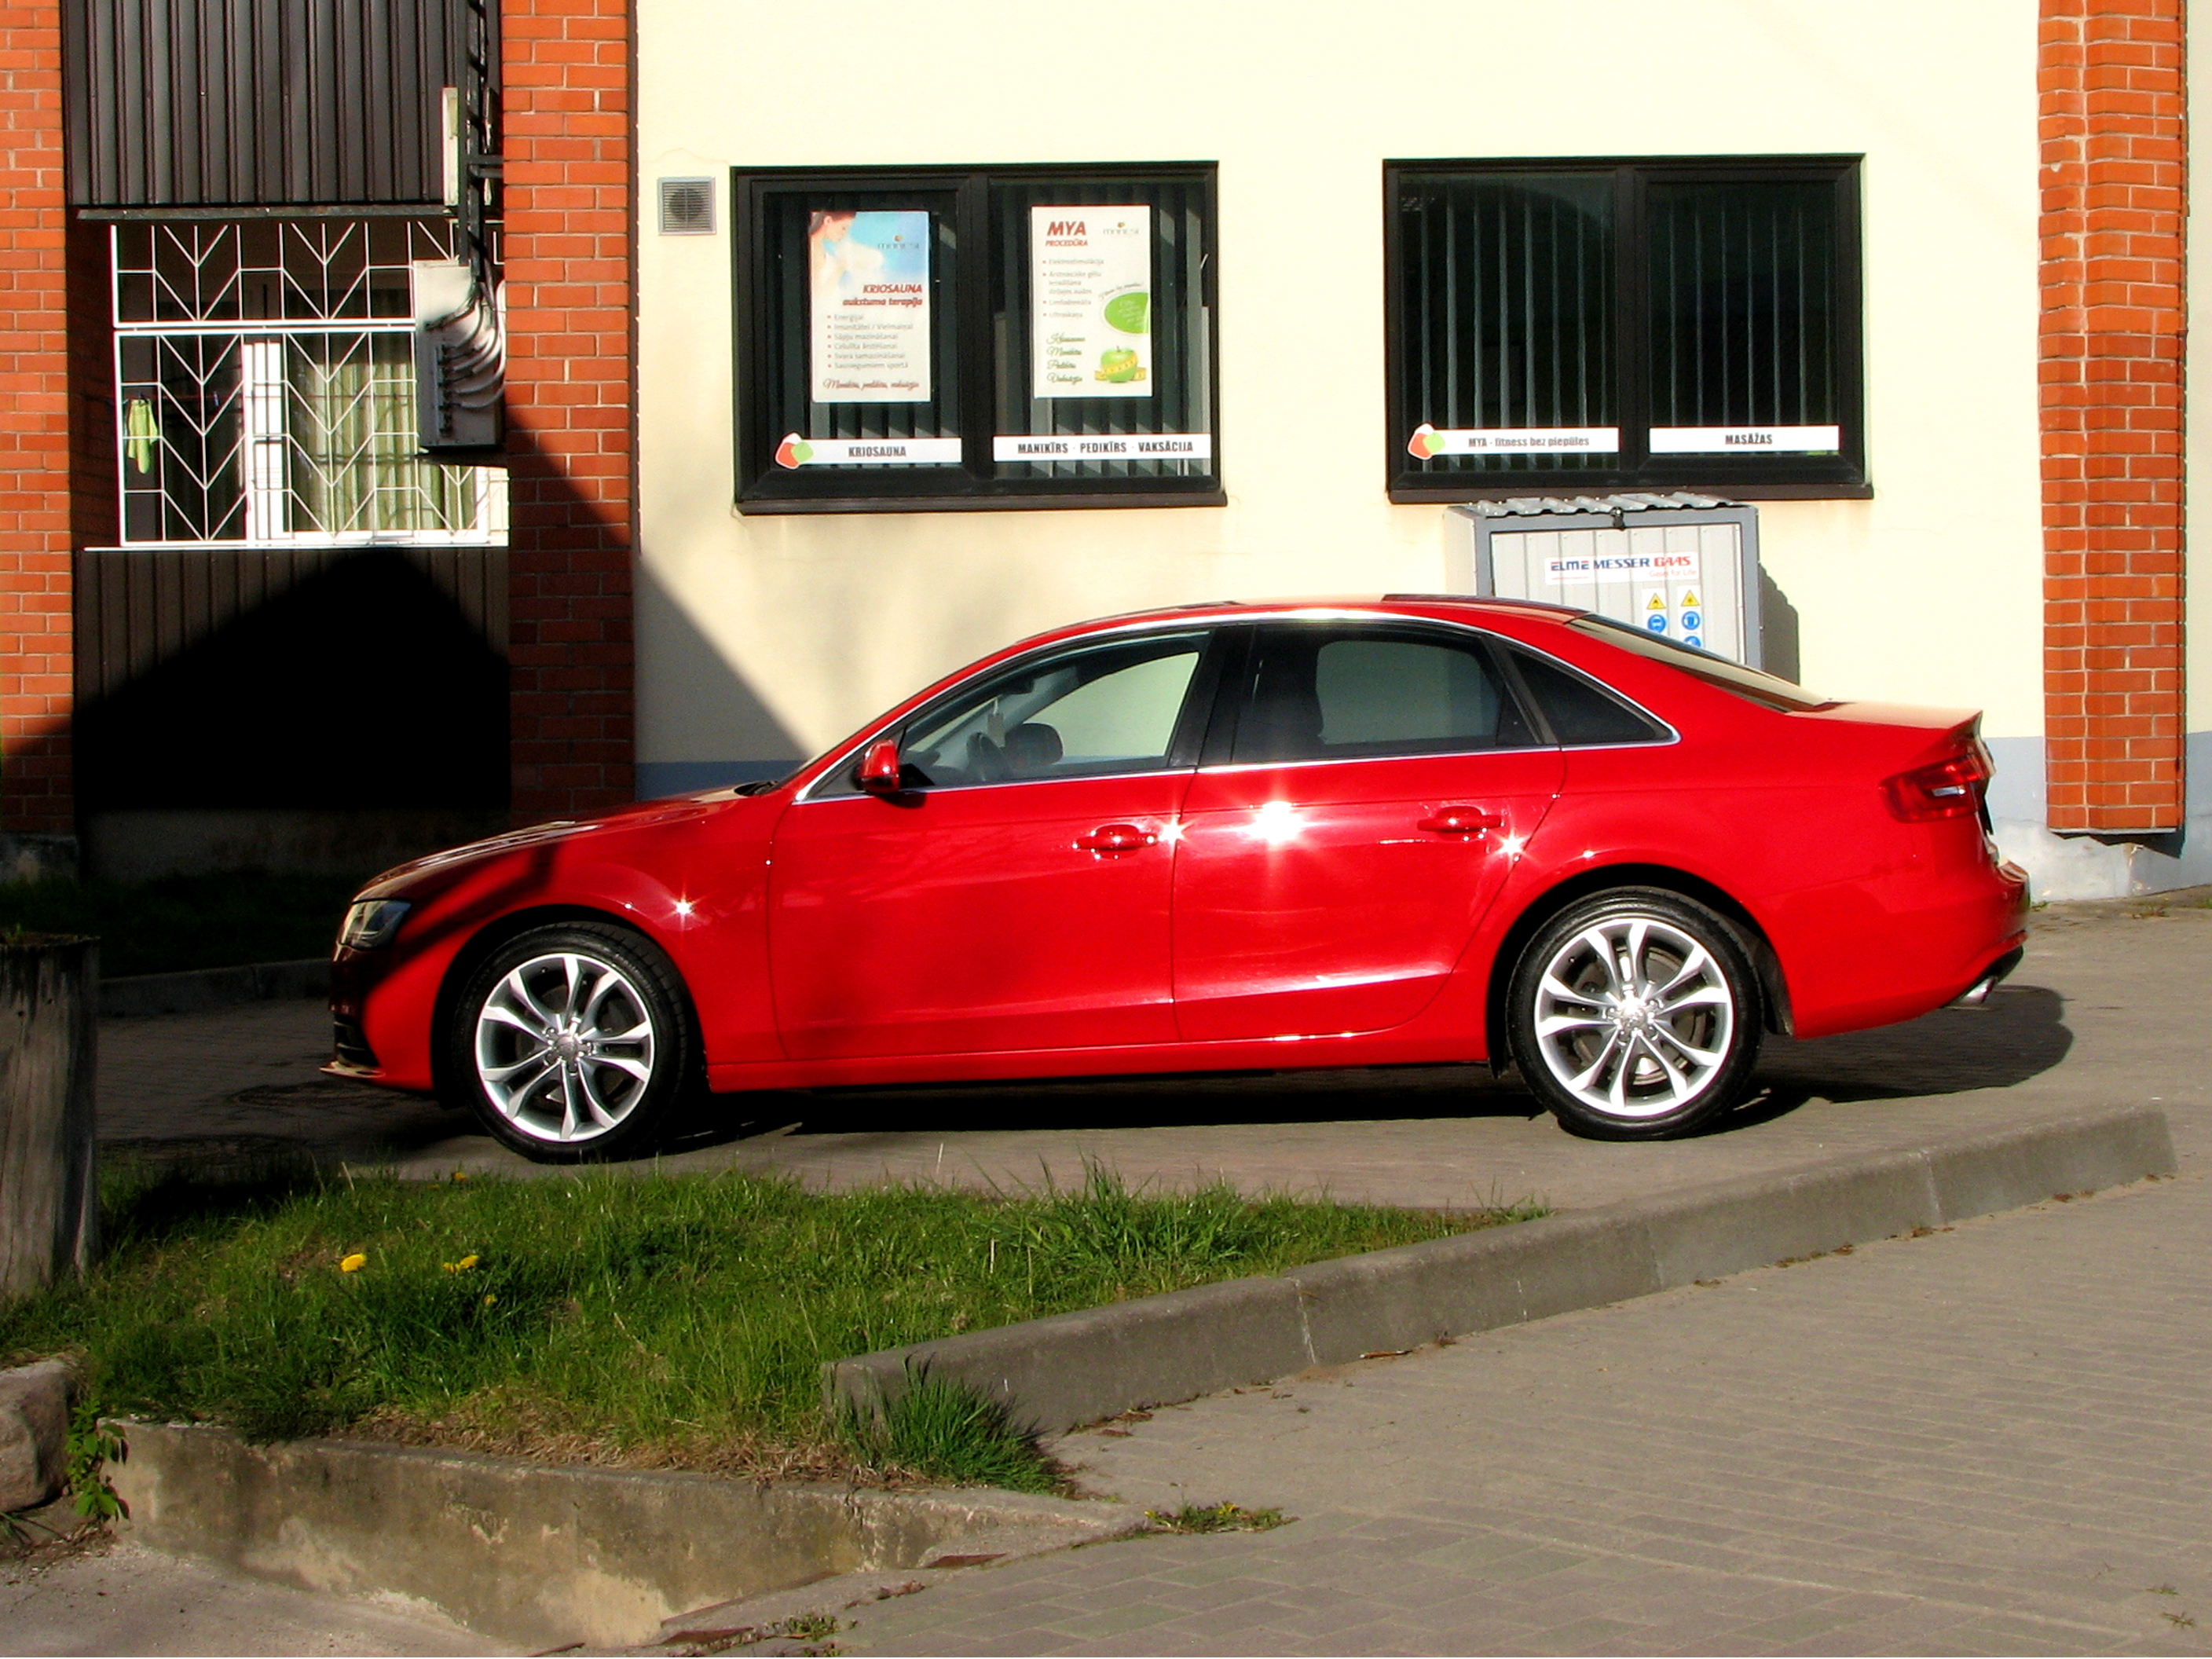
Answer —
868 286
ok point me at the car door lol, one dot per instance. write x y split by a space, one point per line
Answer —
1015 894
1365 789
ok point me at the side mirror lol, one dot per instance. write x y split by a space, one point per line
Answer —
879 768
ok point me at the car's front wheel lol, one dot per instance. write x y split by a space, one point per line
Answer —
1635 1015
572 1043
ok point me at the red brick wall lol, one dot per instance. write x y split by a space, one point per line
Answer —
2110 77
36 626
566 135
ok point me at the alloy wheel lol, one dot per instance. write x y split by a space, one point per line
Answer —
565 1047
1634 1018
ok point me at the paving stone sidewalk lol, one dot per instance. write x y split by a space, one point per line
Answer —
121 1598
1994 1439
2107 1010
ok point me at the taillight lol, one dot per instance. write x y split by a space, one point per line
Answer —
1950 788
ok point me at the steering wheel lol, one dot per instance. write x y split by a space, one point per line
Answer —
987 762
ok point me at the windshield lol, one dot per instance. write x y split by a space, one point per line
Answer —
1768 691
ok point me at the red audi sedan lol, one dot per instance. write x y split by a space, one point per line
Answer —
1408 830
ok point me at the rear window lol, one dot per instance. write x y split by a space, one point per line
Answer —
1580 712
1752 684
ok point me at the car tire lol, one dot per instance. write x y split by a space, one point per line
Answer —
1636 1014
574 1044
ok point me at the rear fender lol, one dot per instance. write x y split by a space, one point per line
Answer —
1542 905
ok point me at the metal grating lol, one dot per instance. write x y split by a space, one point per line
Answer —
687 207
260 102
266 389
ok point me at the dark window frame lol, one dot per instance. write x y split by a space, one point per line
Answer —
1754 478
761 488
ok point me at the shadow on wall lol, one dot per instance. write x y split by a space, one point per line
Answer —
1778 629
310 710
706 707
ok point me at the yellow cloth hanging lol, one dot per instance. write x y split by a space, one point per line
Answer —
141 432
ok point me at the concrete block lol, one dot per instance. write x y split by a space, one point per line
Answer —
1079 1368
35 1420
539 1555
136 995
1057 1373
1402 1297
1982 1175
1706 1232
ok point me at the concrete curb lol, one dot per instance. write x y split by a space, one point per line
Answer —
139 995
543 1555
1072 1369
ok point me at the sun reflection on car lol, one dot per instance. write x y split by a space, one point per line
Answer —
1277 823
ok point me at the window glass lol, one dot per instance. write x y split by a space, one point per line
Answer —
1580 712
1314 694
1624 324
860 377
1507 289
1102 329
944 333
1743 306
1100 711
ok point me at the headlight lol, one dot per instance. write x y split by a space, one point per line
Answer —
370 923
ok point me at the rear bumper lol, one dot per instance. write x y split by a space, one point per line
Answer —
1898 947
1977 993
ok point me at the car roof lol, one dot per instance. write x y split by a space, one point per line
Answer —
1463 606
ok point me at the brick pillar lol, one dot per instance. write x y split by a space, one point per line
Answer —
2111 79
566 132
36 629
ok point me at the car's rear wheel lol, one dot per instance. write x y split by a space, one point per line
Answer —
573 1043
1635 1014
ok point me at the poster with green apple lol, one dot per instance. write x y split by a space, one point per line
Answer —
1091 301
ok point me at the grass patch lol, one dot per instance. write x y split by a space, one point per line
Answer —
181 922
952 1433
1217 1518
672 1321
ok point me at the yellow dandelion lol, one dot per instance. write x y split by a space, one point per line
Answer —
489 1300
354 1263
460 1267
460 1174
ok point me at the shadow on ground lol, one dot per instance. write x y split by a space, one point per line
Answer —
331 1120
2017 1035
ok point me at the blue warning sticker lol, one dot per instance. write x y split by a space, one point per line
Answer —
1655 623
1694 642
1692 622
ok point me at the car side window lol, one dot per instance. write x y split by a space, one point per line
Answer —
1336 693
1099 711
1581 712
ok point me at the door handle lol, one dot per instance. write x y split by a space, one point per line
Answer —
1116 838
1462 821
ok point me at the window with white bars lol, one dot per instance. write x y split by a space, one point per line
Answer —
266 388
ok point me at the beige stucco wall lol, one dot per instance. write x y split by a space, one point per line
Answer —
760 633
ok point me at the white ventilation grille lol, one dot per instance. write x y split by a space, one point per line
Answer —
687 207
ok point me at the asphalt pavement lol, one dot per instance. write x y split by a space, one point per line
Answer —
2107 1009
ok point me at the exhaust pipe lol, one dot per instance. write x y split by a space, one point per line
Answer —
1978 993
